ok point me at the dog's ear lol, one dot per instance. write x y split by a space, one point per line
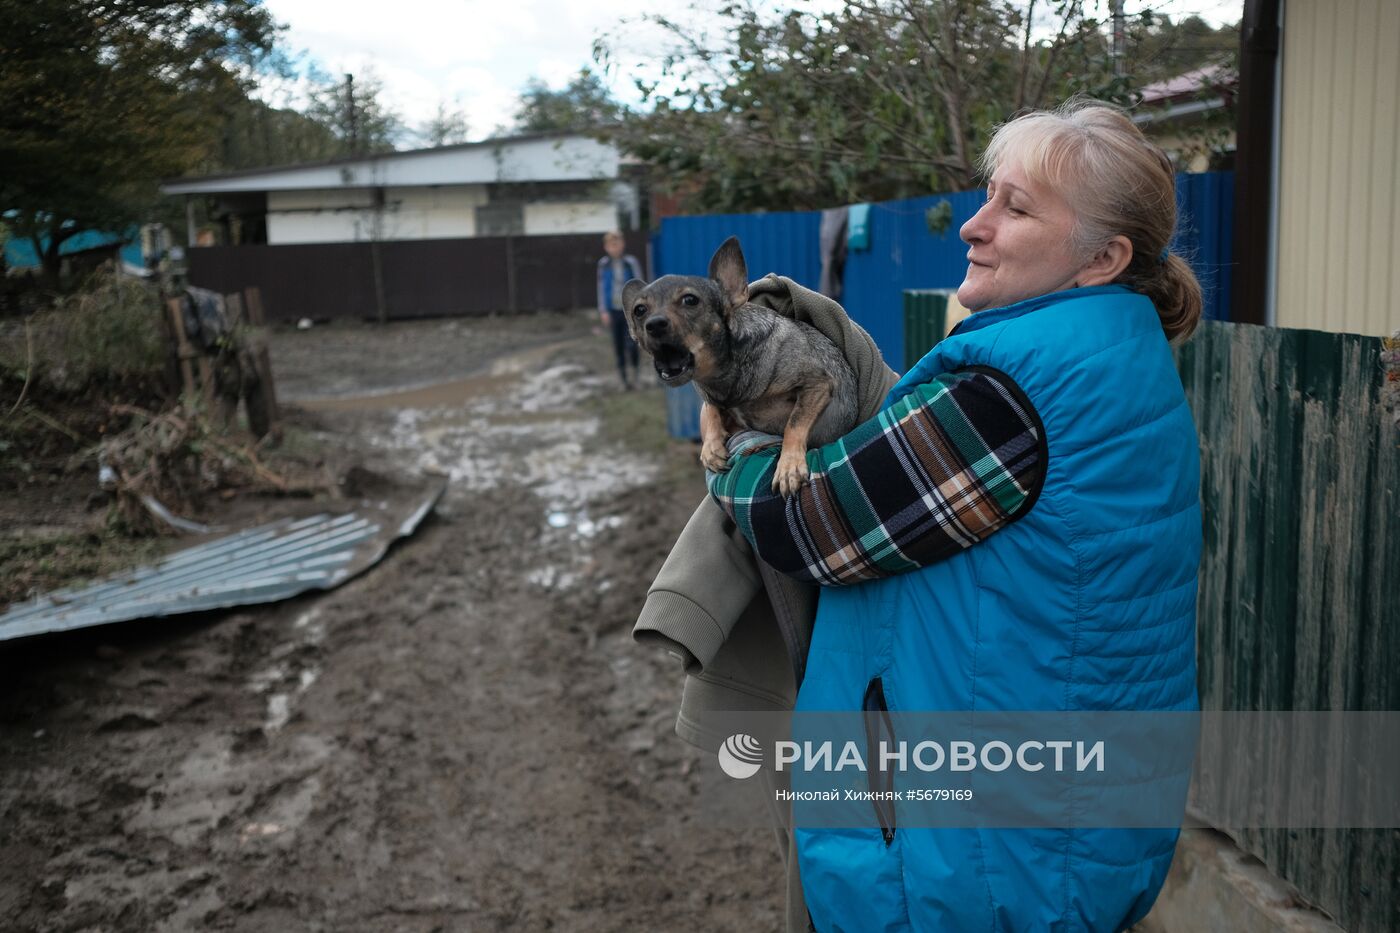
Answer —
727 268
630 291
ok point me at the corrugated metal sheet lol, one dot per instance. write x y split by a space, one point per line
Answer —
905 255
786 243
259 565
1338 200
925 322
683 412
1205 235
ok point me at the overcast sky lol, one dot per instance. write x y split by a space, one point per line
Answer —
476 56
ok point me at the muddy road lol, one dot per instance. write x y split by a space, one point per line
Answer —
463 738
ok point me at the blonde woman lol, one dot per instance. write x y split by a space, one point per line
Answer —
1017 529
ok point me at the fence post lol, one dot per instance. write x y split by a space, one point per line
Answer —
510 273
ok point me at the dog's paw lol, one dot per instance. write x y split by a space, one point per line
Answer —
790 475
714 456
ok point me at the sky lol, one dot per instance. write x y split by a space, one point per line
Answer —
476 56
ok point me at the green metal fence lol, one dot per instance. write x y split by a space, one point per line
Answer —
925 322
1299 605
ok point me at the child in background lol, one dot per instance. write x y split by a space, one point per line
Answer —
614 270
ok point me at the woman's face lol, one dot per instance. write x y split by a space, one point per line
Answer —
1019 243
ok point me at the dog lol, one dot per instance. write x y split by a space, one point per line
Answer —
753 367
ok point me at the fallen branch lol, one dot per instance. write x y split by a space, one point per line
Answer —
28 368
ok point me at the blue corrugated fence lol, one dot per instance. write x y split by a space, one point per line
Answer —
905 254
1205 234
784 242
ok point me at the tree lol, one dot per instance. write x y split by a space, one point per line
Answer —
355 113
105 97
446 128
879 99
1165 49
253 134
583 103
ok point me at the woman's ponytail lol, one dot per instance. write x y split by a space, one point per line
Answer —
1174 291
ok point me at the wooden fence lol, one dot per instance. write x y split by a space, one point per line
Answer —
1299 605
417 278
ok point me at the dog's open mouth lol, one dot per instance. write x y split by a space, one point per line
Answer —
673 364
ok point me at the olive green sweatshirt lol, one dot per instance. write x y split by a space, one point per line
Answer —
718 610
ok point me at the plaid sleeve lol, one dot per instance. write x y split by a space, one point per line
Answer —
936 472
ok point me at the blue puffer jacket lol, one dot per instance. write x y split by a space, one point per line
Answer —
1087 602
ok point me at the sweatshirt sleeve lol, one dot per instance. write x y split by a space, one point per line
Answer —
602 270
933 474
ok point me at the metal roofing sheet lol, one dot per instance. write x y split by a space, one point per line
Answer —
263 564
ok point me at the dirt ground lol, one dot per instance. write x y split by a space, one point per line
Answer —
463 738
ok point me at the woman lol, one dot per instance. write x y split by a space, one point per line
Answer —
1023 521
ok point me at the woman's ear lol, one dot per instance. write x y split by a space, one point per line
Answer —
1108 263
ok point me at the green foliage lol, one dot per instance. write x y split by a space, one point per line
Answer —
105 97
107 334
353 111
1162 48
583 103
878 100
446 128
939 217
253 134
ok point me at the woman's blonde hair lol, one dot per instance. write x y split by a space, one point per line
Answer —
1117 182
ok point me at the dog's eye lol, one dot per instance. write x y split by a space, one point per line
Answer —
689 301
639 310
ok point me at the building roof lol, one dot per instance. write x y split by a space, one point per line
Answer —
1189 84
1198 91
526 158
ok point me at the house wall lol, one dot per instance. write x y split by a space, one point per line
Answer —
1189 149
570 217
1338 202
420 213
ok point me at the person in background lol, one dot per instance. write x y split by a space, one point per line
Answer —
614 269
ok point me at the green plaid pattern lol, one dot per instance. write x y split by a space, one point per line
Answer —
933 474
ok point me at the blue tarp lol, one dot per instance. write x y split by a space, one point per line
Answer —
20 252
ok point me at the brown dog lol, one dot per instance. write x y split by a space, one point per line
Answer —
754 368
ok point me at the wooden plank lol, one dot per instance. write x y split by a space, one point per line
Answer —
185 352
261 400
1300 491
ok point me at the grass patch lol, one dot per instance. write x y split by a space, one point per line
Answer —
637 421
30 564
107 336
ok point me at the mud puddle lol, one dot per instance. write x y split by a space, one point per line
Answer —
463 738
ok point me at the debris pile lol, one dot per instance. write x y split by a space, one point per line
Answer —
169 461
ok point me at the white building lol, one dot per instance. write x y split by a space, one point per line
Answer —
523 185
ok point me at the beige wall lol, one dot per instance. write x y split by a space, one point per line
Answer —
1189 149
339 215
1339 204
570 217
